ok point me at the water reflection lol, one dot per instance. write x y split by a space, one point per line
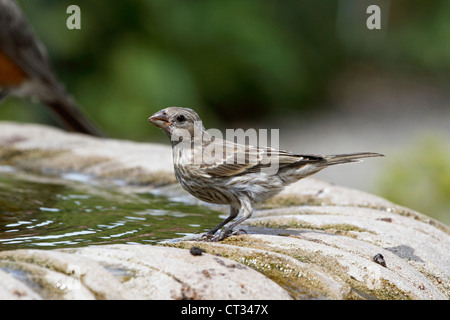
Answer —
43 214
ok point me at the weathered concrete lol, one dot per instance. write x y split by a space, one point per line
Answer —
129 272
314 240
51 151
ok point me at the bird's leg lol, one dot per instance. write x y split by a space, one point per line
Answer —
228 231
246 211
233 214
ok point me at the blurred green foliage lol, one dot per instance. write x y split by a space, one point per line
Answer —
419 178
228 59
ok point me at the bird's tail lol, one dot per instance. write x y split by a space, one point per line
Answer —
73 118
3 94
348 157
70 114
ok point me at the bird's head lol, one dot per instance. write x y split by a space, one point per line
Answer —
178 122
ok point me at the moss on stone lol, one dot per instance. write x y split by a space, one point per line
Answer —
299 281
342 228
289 201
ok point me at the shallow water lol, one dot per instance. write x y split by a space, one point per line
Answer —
41 213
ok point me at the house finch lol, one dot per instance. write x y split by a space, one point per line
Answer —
25 70
223 172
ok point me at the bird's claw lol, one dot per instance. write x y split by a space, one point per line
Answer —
212 238
208 236
236 232
222 235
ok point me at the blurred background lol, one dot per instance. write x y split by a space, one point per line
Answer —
311 69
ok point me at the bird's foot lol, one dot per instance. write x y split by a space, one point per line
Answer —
238 232
208 236
223 235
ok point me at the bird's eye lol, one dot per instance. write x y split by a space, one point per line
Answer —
181 118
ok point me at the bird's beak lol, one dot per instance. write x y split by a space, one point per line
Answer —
160 119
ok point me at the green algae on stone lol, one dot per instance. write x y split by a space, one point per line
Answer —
279 223
298 278
282 201
304 274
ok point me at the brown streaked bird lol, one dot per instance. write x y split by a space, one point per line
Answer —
25 70
220 177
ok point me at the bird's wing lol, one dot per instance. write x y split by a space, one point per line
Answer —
224 158
231 159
